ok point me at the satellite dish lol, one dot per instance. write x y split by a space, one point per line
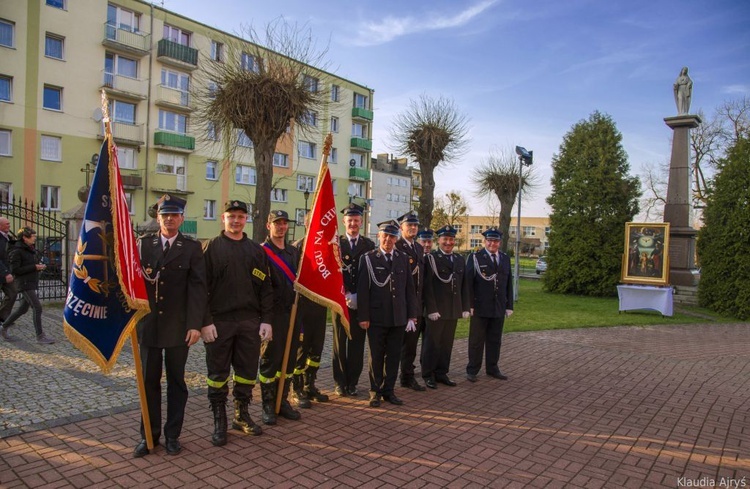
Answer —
352 162
98 114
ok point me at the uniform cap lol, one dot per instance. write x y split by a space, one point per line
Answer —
277 215
426 233
235 205
411 217
493 233
447 230
169 204
353 210
388 227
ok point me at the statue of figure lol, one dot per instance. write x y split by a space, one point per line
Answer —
683 91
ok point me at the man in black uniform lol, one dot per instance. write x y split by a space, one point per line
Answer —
425 237
408 245
446 299
387 307
284 260
240 298
490 282
6 278
348 354
176 285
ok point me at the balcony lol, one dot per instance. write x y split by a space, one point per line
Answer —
173 98
173 140
359 174
172 53
416 183
131 181
361 113
125 133
124 86
361 143
126 40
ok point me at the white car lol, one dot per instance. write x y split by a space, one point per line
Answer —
541 265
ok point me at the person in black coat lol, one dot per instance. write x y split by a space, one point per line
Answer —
348 353
490 282
176 285
387 307
25 266
6 277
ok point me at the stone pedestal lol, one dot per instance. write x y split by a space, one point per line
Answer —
682 269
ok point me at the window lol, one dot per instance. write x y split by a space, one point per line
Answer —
334 124
50 198
114 64
389 197
52 98
299 216
7 33
458 227
476 229
310 83
6 88
475 243
333 185
171 121
209 209
6 191
305 182
245 175
175 79
281 160
122 111
211 168
53 46
51 148
334 156
217 51
6 148
403 198
357 190
212 133
248 62
546 231
306 149
278 195
243 140
130 202
359 130
126 158
310 118
335 93
361 101
56 3
359 160
119 18
175 34
529 231
170 163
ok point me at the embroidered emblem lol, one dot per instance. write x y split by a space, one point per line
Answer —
259 274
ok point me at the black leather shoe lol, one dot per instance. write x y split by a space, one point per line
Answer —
173 446
413 384
430 383
497 375
375 401
352 391
471 377
339 391
141 450
445 380
393 399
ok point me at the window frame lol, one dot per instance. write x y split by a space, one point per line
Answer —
309 183
244 140
284 195
56 37
132 160
361 101
59 91
285 160
215 166
118 20
6 193
163 119
335 93
244 58
9 100
113 105
217 51
309 145
46 197
9 140
12 26
173 164
333 158
209 210
63 4
182 35
251 172
57 157
335 124
311 83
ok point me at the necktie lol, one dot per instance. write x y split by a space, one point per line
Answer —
354 242
388 258
166 248
494 259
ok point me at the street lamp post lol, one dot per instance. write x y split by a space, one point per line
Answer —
524 158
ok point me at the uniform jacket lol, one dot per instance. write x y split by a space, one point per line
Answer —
415 254
23 261
6 245
392 304
182 290
283 290
350 258
449 299
239 281
489 298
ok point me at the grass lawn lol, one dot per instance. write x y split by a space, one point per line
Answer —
539 310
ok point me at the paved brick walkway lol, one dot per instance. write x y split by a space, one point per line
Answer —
618 407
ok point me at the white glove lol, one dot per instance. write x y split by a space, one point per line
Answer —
266 332
433 316
465 314
208 333
508 313
410 326
351 301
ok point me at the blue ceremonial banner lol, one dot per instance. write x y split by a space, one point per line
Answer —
107 293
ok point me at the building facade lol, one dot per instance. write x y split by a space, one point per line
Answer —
534 233
58 56
391 193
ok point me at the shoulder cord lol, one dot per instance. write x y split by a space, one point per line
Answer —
154 280
431 259
372 274
490 278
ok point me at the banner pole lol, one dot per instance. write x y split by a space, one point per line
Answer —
141 390
288 347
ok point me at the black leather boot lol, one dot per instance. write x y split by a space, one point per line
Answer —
219 438
298 393
311 391
242 420
268 396
286 410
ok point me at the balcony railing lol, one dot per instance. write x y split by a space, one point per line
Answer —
362 113
131 181
172 97
184 56
125 39
361 174
179 141
124 85
123 131
361 143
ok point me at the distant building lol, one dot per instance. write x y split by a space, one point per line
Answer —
391 192
534 233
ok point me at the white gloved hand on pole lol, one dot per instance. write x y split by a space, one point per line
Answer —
351 301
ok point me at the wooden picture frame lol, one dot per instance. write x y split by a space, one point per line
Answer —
646 257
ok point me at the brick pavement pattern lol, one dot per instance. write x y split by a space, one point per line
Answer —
633 407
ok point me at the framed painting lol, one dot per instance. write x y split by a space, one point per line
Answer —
646 257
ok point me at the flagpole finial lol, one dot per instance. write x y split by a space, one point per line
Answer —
327 145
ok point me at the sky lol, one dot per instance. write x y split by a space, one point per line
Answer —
522 72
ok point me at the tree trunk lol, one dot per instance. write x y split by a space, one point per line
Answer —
262 205
427 200
506 209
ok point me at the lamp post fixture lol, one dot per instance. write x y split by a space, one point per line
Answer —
524 158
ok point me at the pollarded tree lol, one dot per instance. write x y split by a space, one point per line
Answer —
451 209
592 198
724 240
261 87
431 131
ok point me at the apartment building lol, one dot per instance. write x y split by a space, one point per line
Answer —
57 57
534 233
391 191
